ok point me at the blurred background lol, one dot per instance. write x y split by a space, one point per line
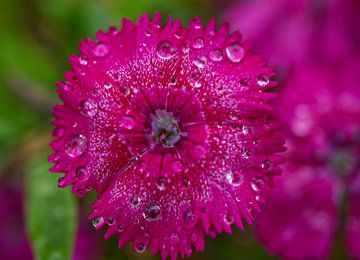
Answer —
36 39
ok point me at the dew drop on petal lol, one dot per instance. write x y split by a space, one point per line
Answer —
107 86
234 178
200 62
140 247
266 164
177 166
134 200
174 239
198 43
120 228
110 221
152 212
189 218
263 80
161 183
83 61
88 108
257 183
164 50
97 222
216 55
81 173
101 50
127 122
229 219
75 145
235 52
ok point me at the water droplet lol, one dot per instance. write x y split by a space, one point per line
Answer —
107 86
194 237
235 52
88 108
185 182
246 130
97 222
234 178
238 199
162 182
263 80
110 221
257 183
165 50
61 182
152 212
125 91
177 166
245 153
120 228
134 200
76 145
185 48
135 220
83 61
229 219
174 239
140 247
81 173
216 55
244 84
198 43
189 218
200 62
101 50
179 34
266 164
127 122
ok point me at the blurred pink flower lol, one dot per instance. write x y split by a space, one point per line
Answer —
172 127
321 113
297 31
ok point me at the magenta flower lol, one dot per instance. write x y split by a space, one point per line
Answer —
321 112
171 127
296 31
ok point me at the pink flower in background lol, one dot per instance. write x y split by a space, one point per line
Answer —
320 110
172 127
289 32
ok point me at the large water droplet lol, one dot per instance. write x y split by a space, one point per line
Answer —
140 247
162 183
266 164
88 108
198 43
127 122
234 178
263 80
229 219
235 52
110 221
152 212
101 50
165 50
97 222
134 200
257 183
200 62
216 55
75 145
81 173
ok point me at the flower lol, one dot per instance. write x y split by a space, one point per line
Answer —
297 31
319 107
172 127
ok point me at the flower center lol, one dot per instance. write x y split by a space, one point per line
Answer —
165 128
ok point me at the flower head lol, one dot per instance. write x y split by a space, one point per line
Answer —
320 109
171 127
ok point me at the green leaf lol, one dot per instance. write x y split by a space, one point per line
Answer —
50 213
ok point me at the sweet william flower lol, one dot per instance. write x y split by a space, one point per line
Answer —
319 107
172 127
